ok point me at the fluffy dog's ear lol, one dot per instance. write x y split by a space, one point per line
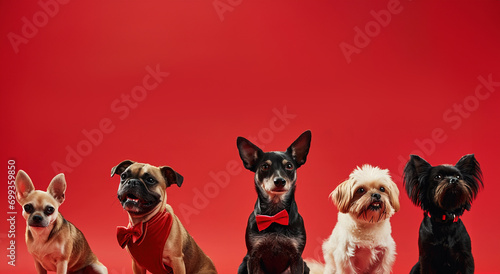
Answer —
300 148
249 153
471 171
171 176
342 196
120 168
415 176
394 196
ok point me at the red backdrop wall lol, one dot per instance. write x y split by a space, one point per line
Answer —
85 85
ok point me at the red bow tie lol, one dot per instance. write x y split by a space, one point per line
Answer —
130 233
264 221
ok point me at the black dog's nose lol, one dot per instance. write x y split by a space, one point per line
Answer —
453 180
279 182
376 196
37 218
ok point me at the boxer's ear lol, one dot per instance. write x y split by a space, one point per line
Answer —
171 177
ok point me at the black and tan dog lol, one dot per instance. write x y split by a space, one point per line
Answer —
155 237
443 192
275 235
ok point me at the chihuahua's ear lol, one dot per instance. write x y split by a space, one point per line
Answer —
120 168
471 171
24 186
249 153
171 176
342 196
300 148
57 188
415 176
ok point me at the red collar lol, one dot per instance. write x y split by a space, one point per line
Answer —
134 234
444 218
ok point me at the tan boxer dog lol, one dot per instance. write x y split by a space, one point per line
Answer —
155 238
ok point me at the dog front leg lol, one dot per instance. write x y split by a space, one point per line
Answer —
298 266
254 266
62 267
39 268
178 265
137 269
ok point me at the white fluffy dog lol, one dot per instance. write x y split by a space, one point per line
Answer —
361 241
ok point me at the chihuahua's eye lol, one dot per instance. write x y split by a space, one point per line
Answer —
360 190
265 167
150 181
382 189
289 166
438 177
123 176
29 208
48 210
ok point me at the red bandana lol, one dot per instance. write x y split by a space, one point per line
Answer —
264 221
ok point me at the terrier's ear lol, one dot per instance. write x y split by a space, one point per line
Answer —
300 148
415 176
249 153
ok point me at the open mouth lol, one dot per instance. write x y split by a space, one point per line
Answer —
375 206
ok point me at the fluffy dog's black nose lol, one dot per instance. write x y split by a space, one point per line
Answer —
376 196
453 180
279 182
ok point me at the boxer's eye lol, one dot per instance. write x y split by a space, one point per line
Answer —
123 176
150 181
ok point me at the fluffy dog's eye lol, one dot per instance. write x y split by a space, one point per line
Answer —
265 167
382 189
29 208
150 180
289 166
360 190
48 210
458 176
438 177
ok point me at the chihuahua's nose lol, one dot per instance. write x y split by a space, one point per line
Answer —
376 196
279 182
37 218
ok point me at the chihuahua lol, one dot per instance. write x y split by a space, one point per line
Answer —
56 244
275 235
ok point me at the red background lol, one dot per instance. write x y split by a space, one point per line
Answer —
228 75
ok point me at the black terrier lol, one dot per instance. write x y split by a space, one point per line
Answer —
444 192
275 235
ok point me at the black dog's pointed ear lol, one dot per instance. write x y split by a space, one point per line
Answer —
415 174
171 176
471 171
300 148
120 168
249 153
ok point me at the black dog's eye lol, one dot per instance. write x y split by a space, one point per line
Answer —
360 190
48 210
150 181
123 176
438 177
458 176
289 166
265 167
382 189
29 208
